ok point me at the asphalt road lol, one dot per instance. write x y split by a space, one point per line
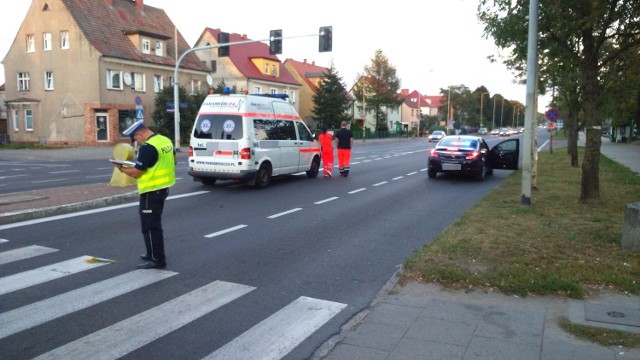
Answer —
303 254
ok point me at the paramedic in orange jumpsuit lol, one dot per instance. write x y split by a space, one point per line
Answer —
326 144
345 142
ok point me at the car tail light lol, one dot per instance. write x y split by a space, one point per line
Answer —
473 155
245 153
434 153
190 151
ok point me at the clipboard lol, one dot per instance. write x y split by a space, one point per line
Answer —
123 162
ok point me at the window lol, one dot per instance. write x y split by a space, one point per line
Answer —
31 43
114 79
273 91
15 119
195 86
171 82
274 70
23 81
214 66
257 90
159 51
138 82
48 80
146 46
28 119
64 39
46 41
266 68
157 83
292 97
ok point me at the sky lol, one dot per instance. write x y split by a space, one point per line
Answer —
433 44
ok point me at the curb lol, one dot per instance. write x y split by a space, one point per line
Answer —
31 214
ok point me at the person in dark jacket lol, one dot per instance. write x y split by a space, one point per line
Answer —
345 141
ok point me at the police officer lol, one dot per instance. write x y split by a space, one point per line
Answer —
155 172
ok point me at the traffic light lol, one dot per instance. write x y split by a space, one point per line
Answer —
223 38
325 43
275 42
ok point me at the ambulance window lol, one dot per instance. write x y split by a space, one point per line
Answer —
303 132
219 127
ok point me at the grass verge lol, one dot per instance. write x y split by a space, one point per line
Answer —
555 246
605 337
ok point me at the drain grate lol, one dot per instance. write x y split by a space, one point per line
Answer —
612 314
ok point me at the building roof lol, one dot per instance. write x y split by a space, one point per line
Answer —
242 54
435 100
308 71
106 28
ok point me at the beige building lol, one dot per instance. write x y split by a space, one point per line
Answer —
79 72
309 75
249 67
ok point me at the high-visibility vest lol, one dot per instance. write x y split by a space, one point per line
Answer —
163 173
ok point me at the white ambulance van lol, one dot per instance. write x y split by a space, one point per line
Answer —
251 138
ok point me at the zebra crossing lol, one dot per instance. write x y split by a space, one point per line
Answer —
271 338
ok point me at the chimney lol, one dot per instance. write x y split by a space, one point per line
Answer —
140 5
404 92
304 61
109 2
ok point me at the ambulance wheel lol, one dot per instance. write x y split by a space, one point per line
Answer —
315 167
263 176
208 181
432 173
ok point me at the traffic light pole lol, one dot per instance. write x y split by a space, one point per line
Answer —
176 84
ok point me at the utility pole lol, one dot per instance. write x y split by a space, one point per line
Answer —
530 109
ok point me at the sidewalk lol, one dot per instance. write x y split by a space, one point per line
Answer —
424 321
415 320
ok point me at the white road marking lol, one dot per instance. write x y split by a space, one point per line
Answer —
43 274
276 336
88 212
412 173
40 312
24 253
398 178
325 200
380 183
221 232
64 171
48 181
357 190
121 338
284 213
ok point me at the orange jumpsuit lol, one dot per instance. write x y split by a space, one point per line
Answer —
326 143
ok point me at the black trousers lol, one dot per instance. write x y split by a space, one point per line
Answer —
150 209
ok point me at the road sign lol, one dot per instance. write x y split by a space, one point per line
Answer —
139 114
552 114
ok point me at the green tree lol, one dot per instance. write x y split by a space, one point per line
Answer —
331 102
379 86
165 121
577 40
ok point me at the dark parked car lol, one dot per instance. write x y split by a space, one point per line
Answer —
471 155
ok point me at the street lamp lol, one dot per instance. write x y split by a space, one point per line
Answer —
502 111
493 119
481 97
446 127
418 111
